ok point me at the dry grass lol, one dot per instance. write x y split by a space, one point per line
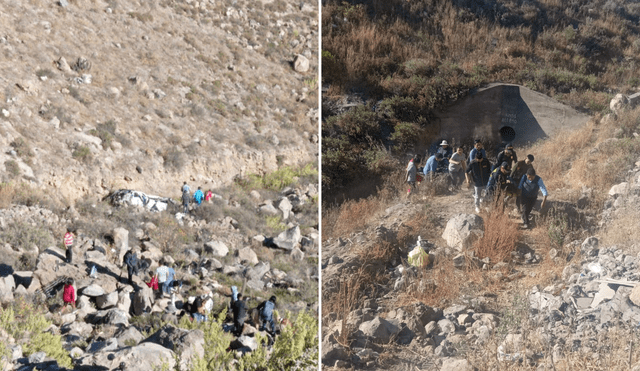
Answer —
501 234
351 216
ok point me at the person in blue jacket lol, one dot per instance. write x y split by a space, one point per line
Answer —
198 196
530 184
477 147
431 168
265 309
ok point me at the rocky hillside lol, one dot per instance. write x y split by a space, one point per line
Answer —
116 324
104 95
101 96
563 295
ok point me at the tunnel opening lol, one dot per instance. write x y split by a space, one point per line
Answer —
507 134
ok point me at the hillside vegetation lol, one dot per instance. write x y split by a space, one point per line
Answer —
397 61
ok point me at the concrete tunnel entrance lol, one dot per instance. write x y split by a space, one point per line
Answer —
504 113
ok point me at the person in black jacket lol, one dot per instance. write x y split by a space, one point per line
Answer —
507 155
239 314
131 260
480 170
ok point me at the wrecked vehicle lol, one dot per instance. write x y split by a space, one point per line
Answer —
128 197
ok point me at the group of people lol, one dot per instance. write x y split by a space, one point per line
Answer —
197 198
507 178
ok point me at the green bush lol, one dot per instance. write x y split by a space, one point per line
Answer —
82 153
24 321
24 236
405 135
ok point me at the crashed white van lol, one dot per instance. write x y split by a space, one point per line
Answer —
128 197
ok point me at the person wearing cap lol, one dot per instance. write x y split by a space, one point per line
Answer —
508 155
500 182
412 171
530 184
480 170
447 152
457 167
477 147
431 168
520 170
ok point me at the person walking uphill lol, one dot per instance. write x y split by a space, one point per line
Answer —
519 170
131 260
432 166
239 309
185 202
68 295
530 185
68 244
166 275
500 183
266 314
480 170
198 196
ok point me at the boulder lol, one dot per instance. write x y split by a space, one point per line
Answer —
618 103
121 242
142 300
379 330
124 300
463 230
288 239
93 291
217 248
128 337
107 301
7 285
142 357
187 343
297 255
285 206
456 364
247 256
258 271
635 295
244 343
621 189
301 63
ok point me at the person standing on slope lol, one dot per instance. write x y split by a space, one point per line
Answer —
530 185
198 196
480 170
411 173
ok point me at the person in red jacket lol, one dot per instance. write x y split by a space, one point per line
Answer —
69 294
208 196
153 283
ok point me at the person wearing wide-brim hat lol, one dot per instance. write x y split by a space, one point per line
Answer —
447 152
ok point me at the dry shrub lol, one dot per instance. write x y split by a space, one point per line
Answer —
434 287
501 235
352 216
422 224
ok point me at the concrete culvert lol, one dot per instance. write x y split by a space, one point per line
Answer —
507 134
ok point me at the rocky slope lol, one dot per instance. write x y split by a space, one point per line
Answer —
544 307
112 94
120 325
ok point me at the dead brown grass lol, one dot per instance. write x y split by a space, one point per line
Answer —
501 235
351 216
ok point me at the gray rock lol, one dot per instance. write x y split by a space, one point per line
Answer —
446 326
380 330
285 206
103 346
301 63
37 357
246 255
605 293
589 247
188 343
143 357
463 230
297 255
93 291
124 300
143 300
107 300
7 285
247 342
258 271
456 364
128 337
288 239
431 328
255 284
217 248
454 310
121 242
268 208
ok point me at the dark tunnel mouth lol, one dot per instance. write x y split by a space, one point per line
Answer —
507 134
